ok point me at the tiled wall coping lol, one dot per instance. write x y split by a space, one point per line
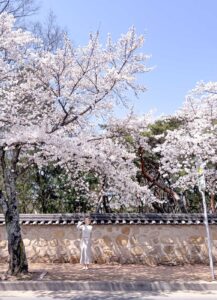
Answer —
114 218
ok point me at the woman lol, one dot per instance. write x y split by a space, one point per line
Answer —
85 242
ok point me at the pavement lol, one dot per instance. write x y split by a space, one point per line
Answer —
110 278
99 295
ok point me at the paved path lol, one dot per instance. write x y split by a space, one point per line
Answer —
110 282
79 295
108 272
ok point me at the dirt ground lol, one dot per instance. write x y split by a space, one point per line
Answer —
107 272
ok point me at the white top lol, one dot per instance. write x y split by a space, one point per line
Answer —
86 230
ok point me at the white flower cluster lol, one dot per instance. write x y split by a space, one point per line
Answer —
52 104
194 140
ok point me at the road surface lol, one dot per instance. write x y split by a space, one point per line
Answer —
96 295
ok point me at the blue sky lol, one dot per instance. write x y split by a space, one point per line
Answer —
181 36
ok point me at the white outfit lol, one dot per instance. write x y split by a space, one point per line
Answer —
85 243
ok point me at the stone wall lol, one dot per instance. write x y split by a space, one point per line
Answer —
148 244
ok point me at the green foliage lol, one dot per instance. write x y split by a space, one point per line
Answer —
129 139
49 190
161 126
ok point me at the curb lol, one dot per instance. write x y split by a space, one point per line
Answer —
107 286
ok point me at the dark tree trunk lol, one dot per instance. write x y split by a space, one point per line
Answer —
212 203
17 256
154 181
106 204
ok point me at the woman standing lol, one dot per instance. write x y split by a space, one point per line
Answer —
85 242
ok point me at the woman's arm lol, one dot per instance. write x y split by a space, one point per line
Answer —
79 225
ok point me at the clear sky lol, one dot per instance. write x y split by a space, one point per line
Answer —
181 36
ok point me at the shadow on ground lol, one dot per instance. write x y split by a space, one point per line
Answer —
107 272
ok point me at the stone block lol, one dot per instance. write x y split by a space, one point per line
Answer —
114 259
3 244
41 242
195 253
167 260
122 240
198 240
137 250
26 242
74 259
42 252
169 250
51 251
67 242
107 241
53 243
155 240
133 240
155 251
125 229
214 234
150 260
143 238
167 240
181 250
99 259
3 254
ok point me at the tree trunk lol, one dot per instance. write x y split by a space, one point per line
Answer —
154 181
212 203
17 256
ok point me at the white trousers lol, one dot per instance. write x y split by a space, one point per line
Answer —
85 251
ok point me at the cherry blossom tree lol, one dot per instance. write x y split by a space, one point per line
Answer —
19 8
194 140
51 104
135 133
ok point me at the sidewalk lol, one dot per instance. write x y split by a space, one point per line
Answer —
111 277
108 272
